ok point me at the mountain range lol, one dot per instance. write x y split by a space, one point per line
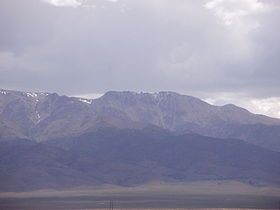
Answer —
43 116
129 138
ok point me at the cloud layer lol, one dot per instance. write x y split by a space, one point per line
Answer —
64 3
205 48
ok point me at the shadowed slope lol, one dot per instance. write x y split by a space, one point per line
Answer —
132 157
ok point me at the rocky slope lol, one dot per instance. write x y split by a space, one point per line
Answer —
43 116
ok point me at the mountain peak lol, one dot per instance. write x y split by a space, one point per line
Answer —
152 95
141 93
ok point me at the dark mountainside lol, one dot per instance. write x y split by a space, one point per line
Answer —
128 138
131 157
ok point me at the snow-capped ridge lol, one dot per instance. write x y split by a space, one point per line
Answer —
3 92
84 100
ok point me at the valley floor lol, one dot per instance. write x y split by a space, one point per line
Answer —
195 195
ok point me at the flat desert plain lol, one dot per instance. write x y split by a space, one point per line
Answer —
193 195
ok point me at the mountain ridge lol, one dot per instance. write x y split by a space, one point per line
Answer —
43 116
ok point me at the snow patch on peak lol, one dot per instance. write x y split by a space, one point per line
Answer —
35 95
162 94
3 92
87 101
141 93
31 95
154 94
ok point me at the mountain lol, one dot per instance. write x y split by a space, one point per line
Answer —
186 114
44 116
130 157
128 138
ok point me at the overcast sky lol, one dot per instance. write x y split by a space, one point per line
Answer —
223 51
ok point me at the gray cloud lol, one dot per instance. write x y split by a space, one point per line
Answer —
198 47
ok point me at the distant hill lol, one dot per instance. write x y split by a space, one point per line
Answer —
131 157
44 116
